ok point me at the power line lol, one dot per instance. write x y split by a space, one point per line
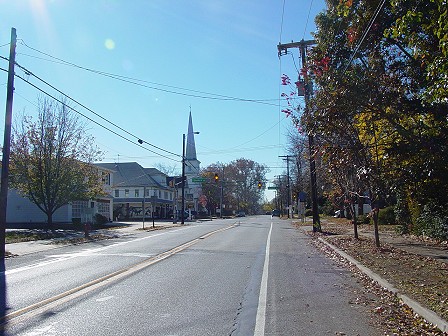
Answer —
307 19
259 134
143 83
90 119
90 110
281 24
364 35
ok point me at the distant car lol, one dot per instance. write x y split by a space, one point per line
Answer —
179 215
275 213
338 214
241 214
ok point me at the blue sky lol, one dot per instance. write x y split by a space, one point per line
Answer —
185 54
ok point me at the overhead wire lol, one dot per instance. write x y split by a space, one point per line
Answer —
233 148
90 110
28 72
129 80
90 119
364 35
307 19
281 24
143 83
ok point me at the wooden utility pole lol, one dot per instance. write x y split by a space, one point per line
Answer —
7 143
282 50
182 218
288 185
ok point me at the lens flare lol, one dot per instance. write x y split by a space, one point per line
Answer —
109 44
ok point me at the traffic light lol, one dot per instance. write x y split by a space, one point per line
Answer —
216 177
260 184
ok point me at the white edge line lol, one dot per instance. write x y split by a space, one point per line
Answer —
261 310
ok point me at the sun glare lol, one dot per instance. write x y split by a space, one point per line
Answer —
109 44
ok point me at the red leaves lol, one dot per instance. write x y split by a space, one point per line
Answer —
352 35
287 111
285 80
321 66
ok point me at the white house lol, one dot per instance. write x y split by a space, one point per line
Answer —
22 212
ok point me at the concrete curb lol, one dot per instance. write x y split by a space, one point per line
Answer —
426 313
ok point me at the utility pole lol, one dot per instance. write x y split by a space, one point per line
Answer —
282 50
221 192
288 184
182 216
143 206
279 194
7 143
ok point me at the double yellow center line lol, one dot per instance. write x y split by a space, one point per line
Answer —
47 304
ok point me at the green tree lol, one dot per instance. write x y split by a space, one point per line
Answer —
239 182
51 159
380 107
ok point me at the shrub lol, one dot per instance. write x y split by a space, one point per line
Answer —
387 216
100 219
327 209
308 212
363 219
432 222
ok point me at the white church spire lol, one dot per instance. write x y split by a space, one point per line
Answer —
190 153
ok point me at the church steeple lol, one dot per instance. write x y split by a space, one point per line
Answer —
190 153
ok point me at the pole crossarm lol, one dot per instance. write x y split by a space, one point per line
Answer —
283 48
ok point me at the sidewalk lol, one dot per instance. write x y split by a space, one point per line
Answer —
117 229
403 273
405 243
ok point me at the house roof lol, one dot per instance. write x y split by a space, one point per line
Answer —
153 171
131 174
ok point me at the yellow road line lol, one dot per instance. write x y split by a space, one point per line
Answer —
44 305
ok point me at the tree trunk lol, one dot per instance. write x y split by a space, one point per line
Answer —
50 221
360 206
376 211
355 221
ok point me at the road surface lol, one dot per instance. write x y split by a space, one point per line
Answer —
254 275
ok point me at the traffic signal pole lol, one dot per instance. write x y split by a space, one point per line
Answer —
282 50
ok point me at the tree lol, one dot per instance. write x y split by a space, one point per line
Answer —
237 185
381 102
51 158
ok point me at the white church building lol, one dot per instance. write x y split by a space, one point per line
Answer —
193 190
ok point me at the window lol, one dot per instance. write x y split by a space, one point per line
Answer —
117 193
137 193
160 193
126 193
104 208
166 194
105 178
77 208
147 192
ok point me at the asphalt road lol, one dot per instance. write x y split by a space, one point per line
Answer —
248 276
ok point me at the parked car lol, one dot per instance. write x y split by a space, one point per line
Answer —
276 213
179 215
241 214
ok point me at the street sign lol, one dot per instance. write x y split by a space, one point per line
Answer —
273 188
199 179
